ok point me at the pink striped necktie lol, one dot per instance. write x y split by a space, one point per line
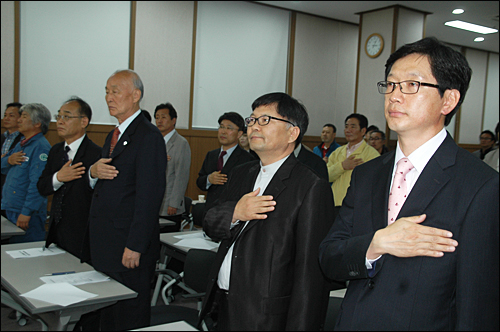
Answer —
398 193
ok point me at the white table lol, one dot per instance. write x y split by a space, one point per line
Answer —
22 275
9 229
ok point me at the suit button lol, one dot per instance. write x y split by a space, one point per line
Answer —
353 273
371 284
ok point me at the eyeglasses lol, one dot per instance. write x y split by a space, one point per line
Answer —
486 138
66 117
374 139
406 87
228 128
264 120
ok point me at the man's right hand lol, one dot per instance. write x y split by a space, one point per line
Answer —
70 172
251 206
407 238
217 178
16 158
351 162
101 170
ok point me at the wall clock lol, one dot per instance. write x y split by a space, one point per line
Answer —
374 45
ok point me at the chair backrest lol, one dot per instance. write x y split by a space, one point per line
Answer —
198 214
187 204
197 267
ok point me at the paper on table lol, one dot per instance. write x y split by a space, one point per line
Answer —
197 244
80 278
35 252
196 235
62 294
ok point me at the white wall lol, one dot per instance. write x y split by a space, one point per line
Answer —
324 72
241 54
163 48
71 48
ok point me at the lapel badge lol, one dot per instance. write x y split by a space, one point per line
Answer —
125 143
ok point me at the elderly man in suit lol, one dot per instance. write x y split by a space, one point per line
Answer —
271 219
219 162
129 183
179 161
417 234
64 177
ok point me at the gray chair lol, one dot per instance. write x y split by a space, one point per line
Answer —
193 280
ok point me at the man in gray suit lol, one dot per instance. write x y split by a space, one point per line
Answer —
179 161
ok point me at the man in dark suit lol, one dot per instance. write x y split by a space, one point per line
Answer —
211 178
309 158
64 177
433 264
271 219
123 222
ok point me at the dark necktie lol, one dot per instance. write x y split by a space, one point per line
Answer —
220 162
114 140
58 197
65 154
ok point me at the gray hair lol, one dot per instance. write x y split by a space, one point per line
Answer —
136 80
38 114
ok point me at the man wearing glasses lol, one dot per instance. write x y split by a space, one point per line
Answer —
63 177
271 219
417 234
487 141
219 162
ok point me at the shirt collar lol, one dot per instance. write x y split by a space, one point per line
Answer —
421 156
76 144
229 151
124 125
168 136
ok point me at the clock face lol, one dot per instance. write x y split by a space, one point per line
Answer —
374 45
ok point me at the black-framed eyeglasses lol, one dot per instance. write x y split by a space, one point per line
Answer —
57 117
406 87
264 120
374 138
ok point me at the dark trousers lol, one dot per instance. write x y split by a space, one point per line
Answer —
221 303
133 313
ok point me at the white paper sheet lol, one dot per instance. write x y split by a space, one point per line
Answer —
197 235
62 294
197 244
79 278
35 252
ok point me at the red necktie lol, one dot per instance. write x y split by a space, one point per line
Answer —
114 140
220 162
398 193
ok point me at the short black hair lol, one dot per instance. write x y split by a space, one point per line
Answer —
363 121
449 67
234 118
332 126
17 105
371 128
84 110
171 110
289 108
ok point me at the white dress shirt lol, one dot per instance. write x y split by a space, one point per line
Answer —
265 176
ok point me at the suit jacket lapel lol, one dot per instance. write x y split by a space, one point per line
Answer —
126 137
380 191
431 180
277 184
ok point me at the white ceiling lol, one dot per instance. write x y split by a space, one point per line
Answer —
477 12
